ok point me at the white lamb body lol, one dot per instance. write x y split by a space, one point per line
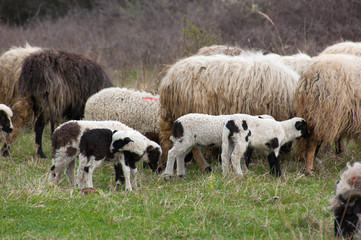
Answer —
191 130
242 131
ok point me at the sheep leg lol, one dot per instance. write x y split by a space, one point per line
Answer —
201 161
133 176
126 170
166 124
274 162
80 172
119 175
70 173
89 169
227 149
39 128
340 146
59 163
181 172
239 149
248 155
170 162
310 156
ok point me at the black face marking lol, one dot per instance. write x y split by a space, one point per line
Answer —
177 130
231 125
248 135
153 156
5 122
273 143
302 126
120 143
244 125
52 168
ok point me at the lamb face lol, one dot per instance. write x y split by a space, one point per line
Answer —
302 127
5 119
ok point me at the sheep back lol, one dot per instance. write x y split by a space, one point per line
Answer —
347 47
136 109
219 49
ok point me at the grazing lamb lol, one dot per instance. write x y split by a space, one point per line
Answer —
221 84
128 147
5 118
220 49
49 86
346 203
242 131
191 130
328 97
65 146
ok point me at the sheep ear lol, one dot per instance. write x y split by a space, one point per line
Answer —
127 140
115 131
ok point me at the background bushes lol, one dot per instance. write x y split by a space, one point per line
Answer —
138 34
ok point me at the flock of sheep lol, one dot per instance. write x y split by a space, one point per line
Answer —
222 96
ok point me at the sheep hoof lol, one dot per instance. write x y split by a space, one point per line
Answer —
309 172
87 190
167 177
208 170
182 176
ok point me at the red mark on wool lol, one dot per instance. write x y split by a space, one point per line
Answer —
354 179
150 98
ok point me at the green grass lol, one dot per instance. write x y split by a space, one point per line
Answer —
201 206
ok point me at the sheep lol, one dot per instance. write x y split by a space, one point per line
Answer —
55 85
6 114
242 131
124 149
220 49
328 97
222 84
10 68
347 47
136 109
191 130
346 202
65 146
298 62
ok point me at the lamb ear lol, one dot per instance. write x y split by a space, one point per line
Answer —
127 140
115 131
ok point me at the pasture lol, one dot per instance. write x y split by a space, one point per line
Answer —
201 206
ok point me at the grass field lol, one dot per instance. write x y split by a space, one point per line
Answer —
201 206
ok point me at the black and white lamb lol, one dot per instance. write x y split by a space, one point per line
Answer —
346 203
191 130
65 146
123 148
5 118
241 131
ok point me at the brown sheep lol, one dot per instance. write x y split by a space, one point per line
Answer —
328 97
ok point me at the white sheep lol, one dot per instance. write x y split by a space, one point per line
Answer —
191 130
241 131
5 118
123 148
65 146
136 109
347 201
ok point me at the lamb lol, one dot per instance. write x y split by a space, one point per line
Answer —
65 146
242 131
124 148
191 130
221 84
346 203
5 118
328 97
